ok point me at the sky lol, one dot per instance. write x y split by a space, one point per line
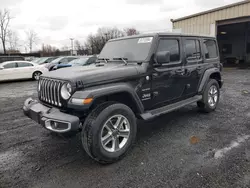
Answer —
55 21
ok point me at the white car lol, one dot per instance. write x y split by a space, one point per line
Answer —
15 70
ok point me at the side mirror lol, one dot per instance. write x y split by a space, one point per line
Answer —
162 57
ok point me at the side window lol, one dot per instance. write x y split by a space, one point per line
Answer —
210 49
171 45
190 50
9 65
24 64
193 50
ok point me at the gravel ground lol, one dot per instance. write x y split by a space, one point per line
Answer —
163 155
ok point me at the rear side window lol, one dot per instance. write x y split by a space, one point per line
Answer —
210 49
171 45
190 50
9 65
193 49
23 64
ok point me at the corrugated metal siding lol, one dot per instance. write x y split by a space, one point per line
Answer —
201 24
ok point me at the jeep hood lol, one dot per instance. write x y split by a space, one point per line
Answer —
93 74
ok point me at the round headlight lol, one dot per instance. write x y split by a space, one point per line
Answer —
66 91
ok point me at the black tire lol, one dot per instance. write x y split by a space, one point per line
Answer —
92 128
34 75
204 105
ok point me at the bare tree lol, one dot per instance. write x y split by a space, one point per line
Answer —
48 50
65 48
32 39
80 48
95 43
131 31
13 40
4 24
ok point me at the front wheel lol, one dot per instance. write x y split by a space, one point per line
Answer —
109 132
211 96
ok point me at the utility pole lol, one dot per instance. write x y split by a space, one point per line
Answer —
72 45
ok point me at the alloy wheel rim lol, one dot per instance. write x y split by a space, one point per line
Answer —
212 95
37 75
115 133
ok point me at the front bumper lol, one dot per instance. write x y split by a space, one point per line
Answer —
50 118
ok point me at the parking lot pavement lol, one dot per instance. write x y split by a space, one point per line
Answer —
182 149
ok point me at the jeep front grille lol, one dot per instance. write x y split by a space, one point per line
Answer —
50 91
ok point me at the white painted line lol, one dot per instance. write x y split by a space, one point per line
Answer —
221 152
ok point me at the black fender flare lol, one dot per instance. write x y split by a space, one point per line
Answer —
206 77
109 89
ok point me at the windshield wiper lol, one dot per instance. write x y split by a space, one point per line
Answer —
103 59
122 59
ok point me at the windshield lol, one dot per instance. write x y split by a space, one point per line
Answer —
41 60
81 61
57 60
36 60
134 49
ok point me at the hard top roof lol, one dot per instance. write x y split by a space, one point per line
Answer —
163 34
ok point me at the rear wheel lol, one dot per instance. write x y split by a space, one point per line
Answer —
36 75
109 132
210 97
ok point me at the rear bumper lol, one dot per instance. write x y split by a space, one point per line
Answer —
50 118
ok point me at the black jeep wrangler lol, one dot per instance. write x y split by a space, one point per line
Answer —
142 77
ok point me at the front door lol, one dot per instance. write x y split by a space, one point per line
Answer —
193 65
8 72
167 80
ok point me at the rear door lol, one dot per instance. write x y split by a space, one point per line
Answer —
25 70
194 65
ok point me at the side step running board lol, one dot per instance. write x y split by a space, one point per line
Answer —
169 108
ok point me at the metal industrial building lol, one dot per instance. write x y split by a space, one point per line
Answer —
230 24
